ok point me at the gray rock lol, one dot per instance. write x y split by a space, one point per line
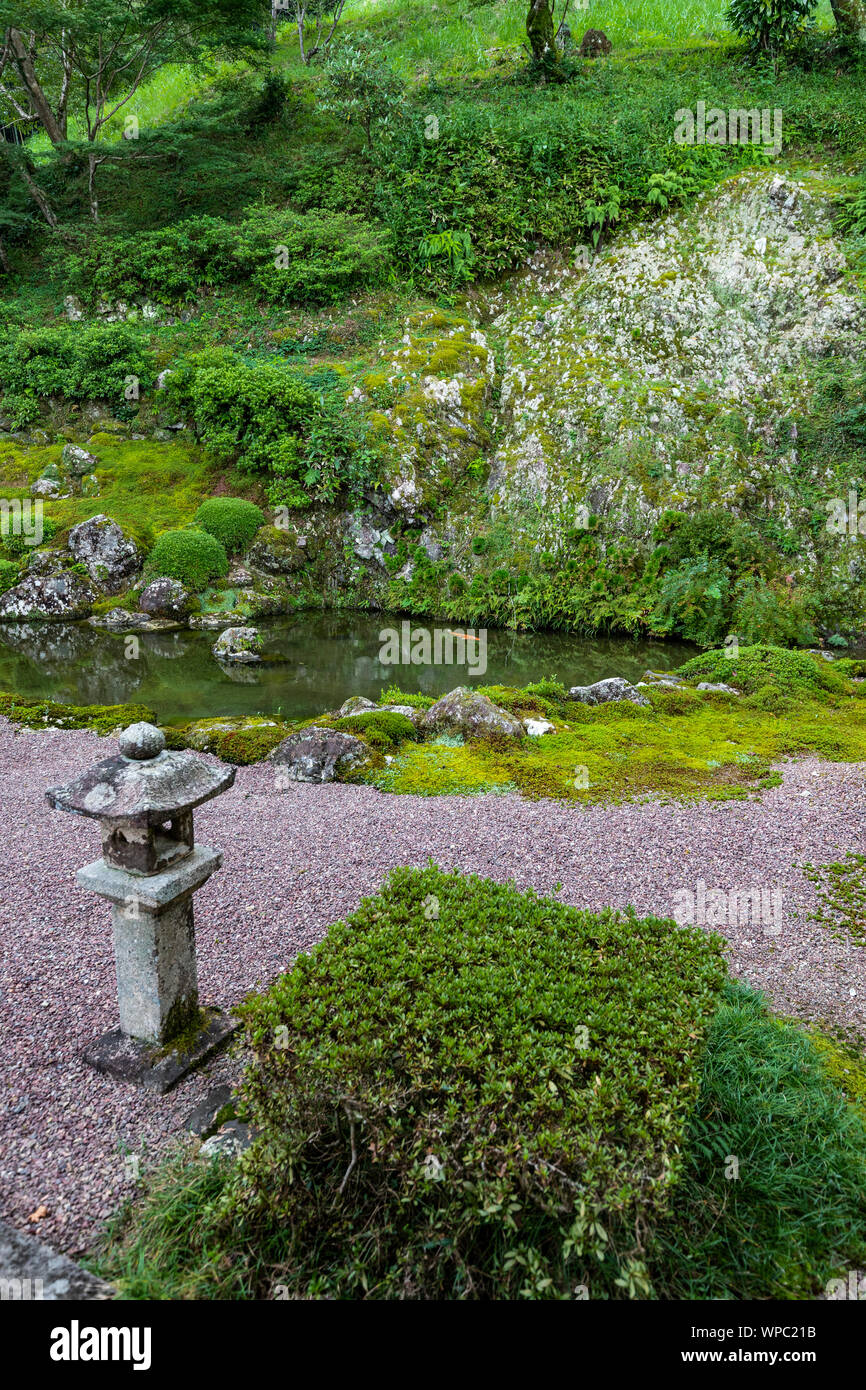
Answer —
614 688
230 1140
536 727
242 644
45 487
77 461
369 542
166 598
318 755
276 551
113 561
203 1119
720 688
661 678
32 1270
121 620
356 704
50 592
464 711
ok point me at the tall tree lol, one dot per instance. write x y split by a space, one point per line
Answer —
850 17
90 57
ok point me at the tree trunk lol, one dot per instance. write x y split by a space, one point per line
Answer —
41 105
92 165
850 17
539 31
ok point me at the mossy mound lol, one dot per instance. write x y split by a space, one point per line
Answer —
802 675
101 719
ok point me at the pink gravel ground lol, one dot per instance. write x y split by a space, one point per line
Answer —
297 860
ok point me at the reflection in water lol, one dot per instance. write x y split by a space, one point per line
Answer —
318 660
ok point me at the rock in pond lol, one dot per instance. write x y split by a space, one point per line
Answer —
166 598
614 688
242 644
464 711
318 755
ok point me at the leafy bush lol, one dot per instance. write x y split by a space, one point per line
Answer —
764 613
16 544
232 520
170 265
8 575
359 86
79 362
793 673
693 601
465 1091
194 557
769 26
264 416
315 257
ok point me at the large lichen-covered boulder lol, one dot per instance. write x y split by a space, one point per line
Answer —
318 754
167 598
241 644
52 590
112 560
464 711
428 402
653 379
614 688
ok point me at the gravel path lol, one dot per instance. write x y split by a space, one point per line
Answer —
297 860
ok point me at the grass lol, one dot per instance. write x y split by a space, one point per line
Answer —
771 1112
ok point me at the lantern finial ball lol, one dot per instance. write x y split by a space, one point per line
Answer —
141 741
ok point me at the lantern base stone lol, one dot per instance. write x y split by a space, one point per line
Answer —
156 1067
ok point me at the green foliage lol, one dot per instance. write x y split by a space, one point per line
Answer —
17 544
795 1214
312 257
771 614
499 1151
383 729
769 26
841 889
851 209
80 362
693 601
264 416
194 557
359 85
794 673
9 574
232 520
315 257
393 695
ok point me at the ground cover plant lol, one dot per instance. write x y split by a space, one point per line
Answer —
393 1171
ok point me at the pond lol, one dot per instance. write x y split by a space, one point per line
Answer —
313 662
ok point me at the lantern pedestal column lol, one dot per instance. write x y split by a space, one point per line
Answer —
163 1032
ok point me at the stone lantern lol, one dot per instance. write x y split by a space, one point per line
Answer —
144 798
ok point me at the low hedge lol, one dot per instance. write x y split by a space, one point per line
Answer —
467 1091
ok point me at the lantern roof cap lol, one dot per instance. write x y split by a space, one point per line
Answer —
142 786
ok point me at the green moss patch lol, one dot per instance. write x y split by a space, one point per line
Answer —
102 719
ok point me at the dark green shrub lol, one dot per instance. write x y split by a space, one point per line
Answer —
232 520
466 1091
314 257
79 362
693 601
170 265
9 573
194 557
769 614
769 26
16 545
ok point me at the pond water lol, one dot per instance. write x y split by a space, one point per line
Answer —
313 662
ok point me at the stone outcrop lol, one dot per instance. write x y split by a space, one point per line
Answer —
112 560
464 711
603 692
318 754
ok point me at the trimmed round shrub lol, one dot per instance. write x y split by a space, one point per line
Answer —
194 557
232 520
